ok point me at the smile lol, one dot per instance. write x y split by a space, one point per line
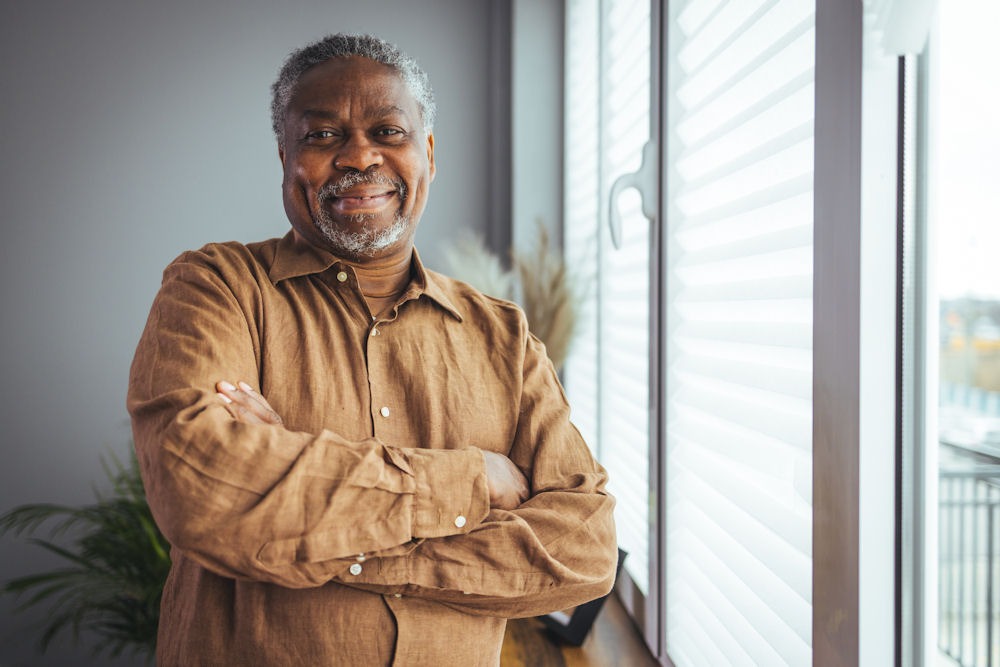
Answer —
353 204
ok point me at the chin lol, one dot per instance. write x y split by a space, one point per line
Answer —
365 243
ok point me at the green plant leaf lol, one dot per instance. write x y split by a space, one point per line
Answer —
116 562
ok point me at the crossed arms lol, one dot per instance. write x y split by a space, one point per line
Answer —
519 525
507 485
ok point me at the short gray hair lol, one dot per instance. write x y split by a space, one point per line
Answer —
344 45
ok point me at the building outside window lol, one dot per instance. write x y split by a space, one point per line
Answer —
959 231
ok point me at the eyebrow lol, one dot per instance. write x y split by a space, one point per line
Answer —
390 110
379 113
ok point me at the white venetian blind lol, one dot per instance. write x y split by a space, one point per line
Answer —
581 208
739 141
607 374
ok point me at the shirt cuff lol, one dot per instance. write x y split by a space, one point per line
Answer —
452 496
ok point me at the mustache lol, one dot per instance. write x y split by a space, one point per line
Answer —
349 180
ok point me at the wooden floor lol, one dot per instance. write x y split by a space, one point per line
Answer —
612 642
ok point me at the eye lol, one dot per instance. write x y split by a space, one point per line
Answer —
389 132
320 134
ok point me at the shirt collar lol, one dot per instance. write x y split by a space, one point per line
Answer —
295 257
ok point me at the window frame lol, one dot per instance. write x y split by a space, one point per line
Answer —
837 341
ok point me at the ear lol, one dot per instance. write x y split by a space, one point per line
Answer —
281 154
430 154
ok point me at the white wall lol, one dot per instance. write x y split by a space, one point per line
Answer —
131 132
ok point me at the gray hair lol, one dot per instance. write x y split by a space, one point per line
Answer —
341 46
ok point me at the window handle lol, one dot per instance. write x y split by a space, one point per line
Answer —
643 180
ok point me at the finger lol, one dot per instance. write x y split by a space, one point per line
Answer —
227 403
521 482
245 407
255 396
231 395
263 408
240 397
239 411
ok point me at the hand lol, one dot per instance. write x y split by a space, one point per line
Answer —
507 484
246 405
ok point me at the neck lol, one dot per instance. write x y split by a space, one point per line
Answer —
383 278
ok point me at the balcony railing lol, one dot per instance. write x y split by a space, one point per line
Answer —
969 564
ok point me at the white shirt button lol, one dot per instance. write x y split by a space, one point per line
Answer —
342 276
459 521
375 331
355 569
384 411
361 558
397 595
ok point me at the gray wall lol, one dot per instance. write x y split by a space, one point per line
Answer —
537 121
135 130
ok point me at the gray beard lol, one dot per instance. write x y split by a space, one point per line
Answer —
367 242
364 243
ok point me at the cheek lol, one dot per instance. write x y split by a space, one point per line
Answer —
297 194
292 191
304 169
297 184
418 196
297 174
422 180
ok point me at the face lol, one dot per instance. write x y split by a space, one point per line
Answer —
357 162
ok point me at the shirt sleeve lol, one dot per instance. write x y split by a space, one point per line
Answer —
263 502
555 551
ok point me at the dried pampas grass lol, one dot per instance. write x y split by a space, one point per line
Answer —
539 280
470 261
548 298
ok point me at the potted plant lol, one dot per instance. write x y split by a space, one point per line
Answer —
113 570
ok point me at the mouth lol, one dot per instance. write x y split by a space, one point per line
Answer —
361 195
354 202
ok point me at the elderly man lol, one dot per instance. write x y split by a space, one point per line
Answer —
356 460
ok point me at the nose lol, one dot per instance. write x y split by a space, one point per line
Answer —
357 153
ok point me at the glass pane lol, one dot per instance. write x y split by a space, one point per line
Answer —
963 145
607 372
625 280
739 332
581 208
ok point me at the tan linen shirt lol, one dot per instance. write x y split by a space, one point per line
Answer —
360 532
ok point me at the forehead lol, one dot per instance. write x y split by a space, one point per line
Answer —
352 84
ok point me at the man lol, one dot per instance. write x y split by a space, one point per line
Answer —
356 460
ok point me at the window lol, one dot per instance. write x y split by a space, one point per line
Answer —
608 112
705 429
738 302
953 350
801 185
